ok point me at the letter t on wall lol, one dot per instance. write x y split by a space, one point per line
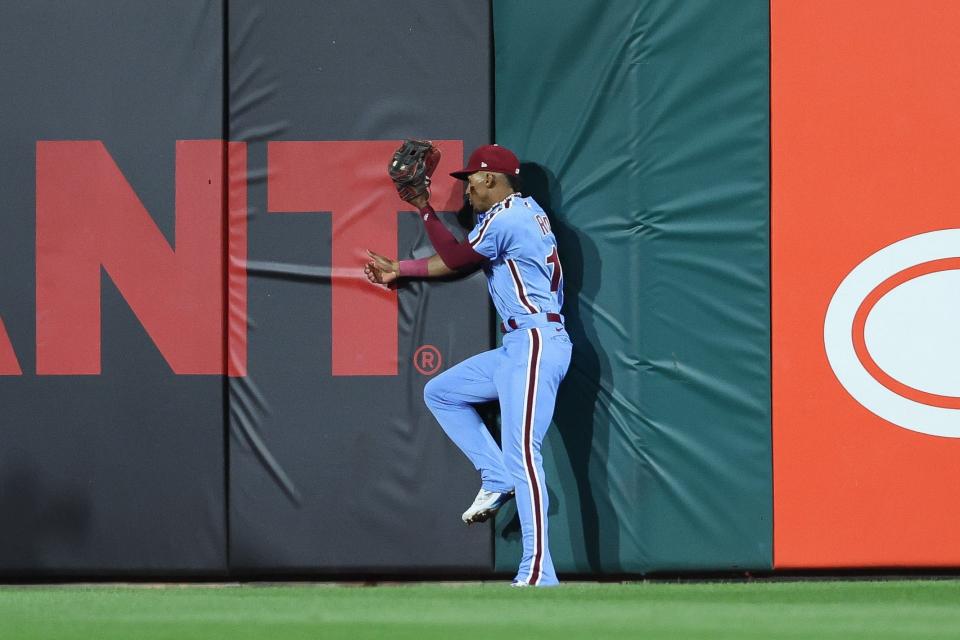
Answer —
348 178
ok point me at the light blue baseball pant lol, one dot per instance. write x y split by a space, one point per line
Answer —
524 374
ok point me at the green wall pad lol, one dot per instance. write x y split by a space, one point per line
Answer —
644 131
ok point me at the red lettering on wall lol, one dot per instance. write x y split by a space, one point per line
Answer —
88 217
9 366
349 180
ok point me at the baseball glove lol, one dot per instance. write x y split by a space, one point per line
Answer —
411 167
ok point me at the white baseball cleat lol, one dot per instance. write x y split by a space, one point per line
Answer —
519 583
485 505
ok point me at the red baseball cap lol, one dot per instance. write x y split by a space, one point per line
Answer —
490 157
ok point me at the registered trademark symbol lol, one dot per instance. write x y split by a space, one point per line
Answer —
427 360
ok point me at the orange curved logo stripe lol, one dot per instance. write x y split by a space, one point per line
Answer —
860 341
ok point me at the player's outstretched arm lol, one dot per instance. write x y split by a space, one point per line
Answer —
436 267
383 270
455 255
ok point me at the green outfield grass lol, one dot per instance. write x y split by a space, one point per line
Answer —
760 609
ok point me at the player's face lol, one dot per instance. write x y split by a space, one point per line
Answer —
477 191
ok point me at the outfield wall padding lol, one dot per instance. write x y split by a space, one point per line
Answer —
644 128
110 462
336 465
254 405
864 193
197 380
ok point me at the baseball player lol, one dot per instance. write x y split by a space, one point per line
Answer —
513 243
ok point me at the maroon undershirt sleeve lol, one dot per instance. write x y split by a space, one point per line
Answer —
455 255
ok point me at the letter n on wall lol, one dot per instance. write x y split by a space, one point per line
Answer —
88 218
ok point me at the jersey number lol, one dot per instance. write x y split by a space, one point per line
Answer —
557 272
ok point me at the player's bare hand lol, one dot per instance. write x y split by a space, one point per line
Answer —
381 270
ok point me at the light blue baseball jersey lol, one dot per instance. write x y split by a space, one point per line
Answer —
524 373
524 275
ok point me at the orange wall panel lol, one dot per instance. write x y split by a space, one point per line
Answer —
865 100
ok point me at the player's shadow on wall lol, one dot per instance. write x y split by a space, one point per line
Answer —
583 426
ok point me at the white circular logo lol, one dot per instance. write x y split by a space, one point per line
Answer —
892 333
